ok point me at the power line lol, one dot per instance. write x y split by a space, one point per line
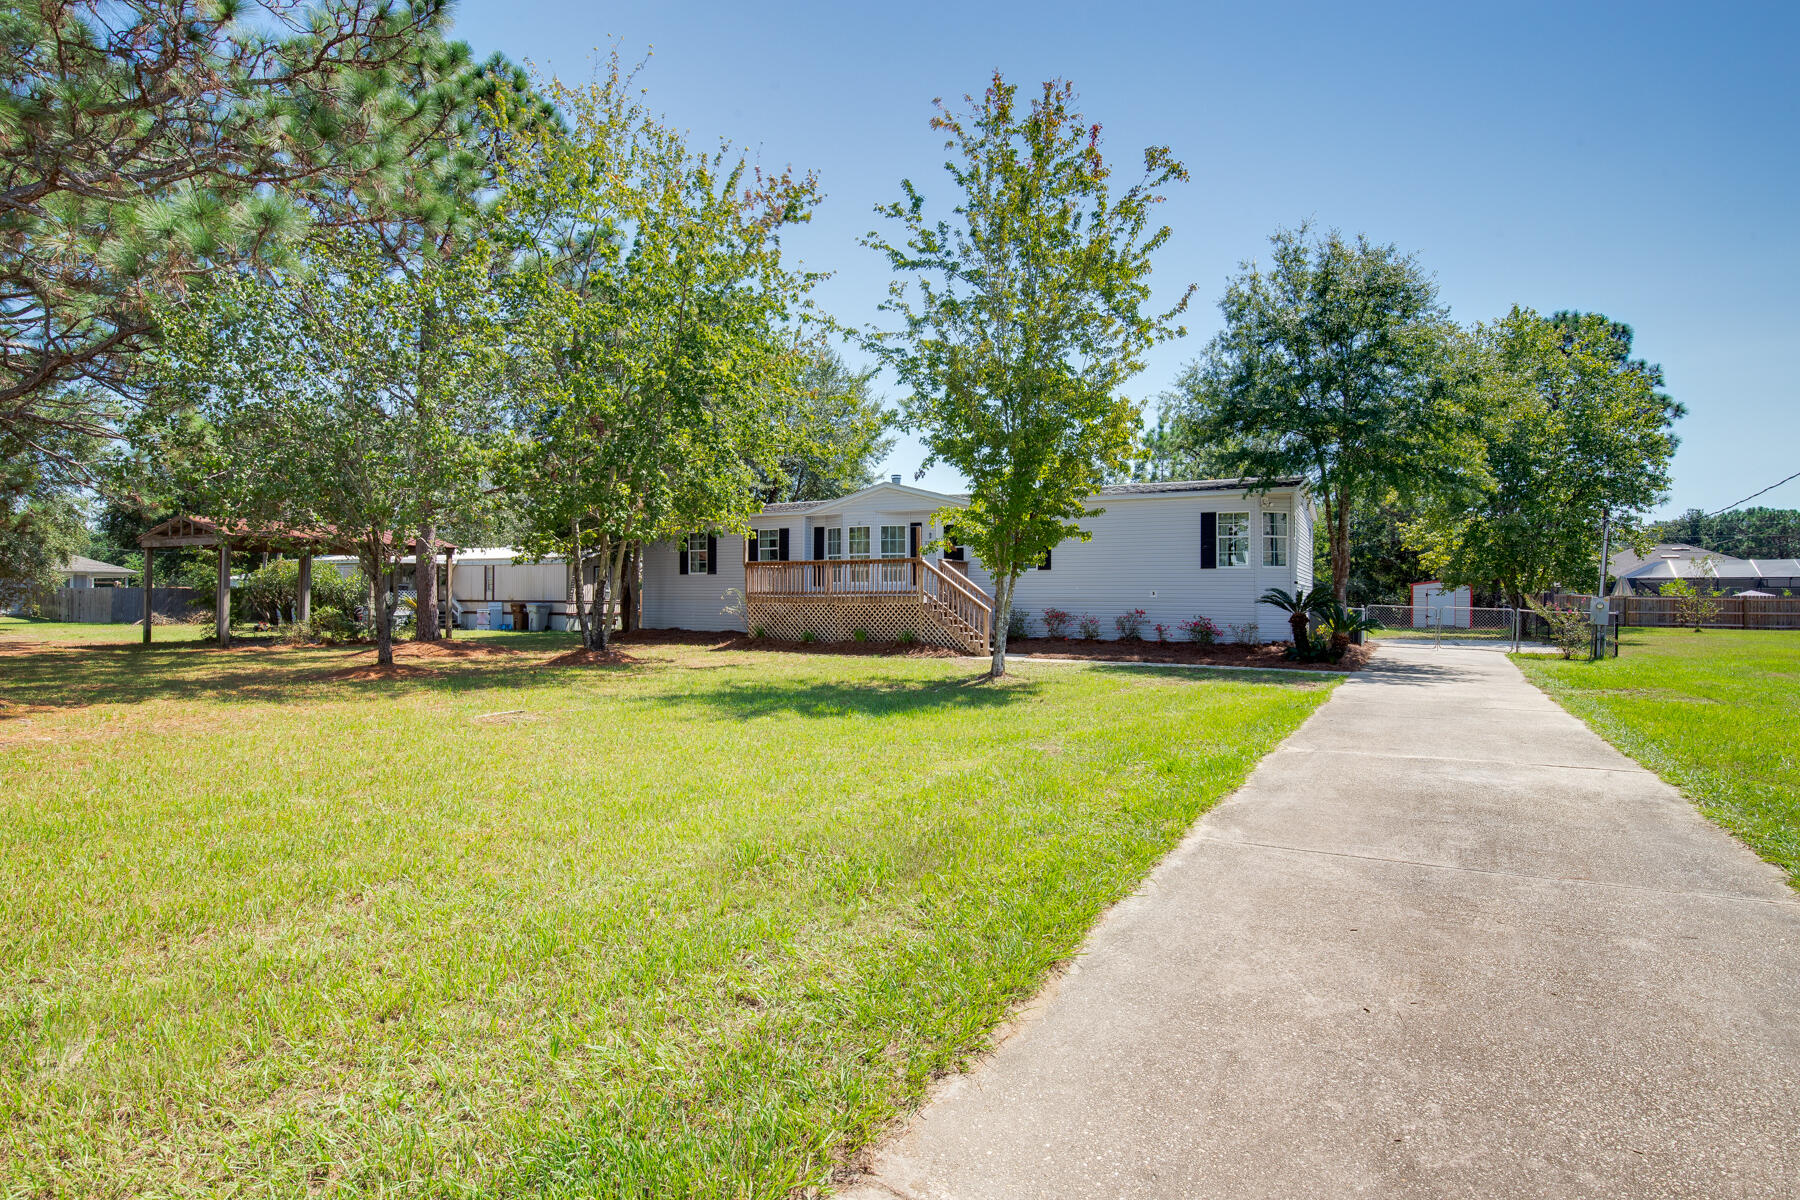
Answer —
1754 495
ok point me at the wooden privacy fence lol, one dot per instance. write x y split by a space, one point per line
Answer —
1717 612
118 605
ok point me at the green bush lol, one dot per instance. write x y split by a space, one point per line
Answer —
328 625
270 592
1569 630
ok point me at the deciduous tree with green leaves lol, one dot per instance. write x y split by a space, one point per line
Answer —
836 432
295 402
1572 430
654 326
1022 315
1335 364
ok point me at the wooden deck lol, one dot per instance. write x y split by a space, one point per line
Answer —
882 598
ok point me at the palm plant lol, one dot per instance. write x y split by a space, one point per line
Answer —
1300 605
1343 623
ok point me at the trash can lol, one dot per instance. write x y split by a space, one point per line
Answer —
497 615
539 619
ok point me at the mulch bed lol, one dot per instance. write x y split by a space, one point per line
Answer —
1271 656
594 658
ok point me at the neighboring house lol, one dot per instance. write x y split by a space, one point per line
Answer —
1645 575
90 573
1176 550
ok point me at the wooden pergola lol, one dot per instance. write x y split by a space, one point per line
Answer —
239 535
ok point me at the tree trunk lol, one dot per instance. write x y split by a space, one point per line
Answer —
1340 549
425 583
1003 601
384 612
578 568
1299 625
629 589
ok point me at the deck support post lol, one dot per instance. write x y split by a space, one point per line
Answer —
222 596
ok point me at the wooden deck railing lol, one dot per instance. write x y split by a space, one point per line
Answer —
917 578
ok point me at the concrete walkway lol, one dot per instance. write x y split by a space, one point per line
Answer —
1444 942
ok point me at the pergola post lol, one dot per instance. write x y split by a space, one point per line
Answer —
149 587
222 596
303 601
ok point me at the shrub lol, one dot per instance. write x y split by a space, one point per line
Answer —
271 592
1201 631
1018 625
1089 625
1162 631
1130 625
908 637
1056 623
859 635
328 625
1246 634
1569 630
808 636
759 633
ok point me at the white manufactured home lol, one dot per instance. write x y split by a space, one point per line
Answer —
866 563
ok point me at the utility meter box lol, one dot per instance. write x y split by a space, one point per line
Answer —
1600 611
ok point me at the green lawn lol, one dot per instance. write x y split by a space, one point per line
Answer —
1713 713
697 926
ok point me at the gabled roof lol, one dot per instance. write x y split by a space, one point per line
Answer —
1165 487
79 565
1179 487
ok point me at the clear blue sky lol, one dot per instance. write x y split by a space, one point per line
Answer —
1639 160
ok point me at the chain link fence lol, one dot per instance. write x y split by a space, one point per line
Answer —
1444 624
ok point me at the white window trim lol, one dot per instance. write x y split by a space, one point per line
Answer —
770 550
834 544
696 553
1224 539
850 542
1275 545
901 530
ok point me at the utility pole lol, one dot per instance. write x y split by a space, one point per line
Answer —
1600 592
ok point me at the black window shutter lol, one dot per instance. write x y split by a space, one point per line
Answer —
1209 540
752 546
784 544
1044 562
956 550
819 542
912 541
712 555
681 554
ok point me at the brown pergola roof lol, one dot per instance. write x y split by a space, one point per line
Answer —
265 539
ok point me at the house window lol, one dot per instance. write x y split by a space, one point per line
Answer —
696 553
487 583
1234 539
1275 539
859 541
893 541
768 545
834 543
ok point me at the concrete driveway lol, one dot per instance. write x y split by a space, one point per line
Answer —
1444 942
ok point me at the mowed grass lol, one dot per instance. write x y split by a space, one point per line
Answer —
1712 713
698 926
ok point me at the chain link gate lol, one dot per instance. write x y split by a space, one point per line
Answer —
1442 624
